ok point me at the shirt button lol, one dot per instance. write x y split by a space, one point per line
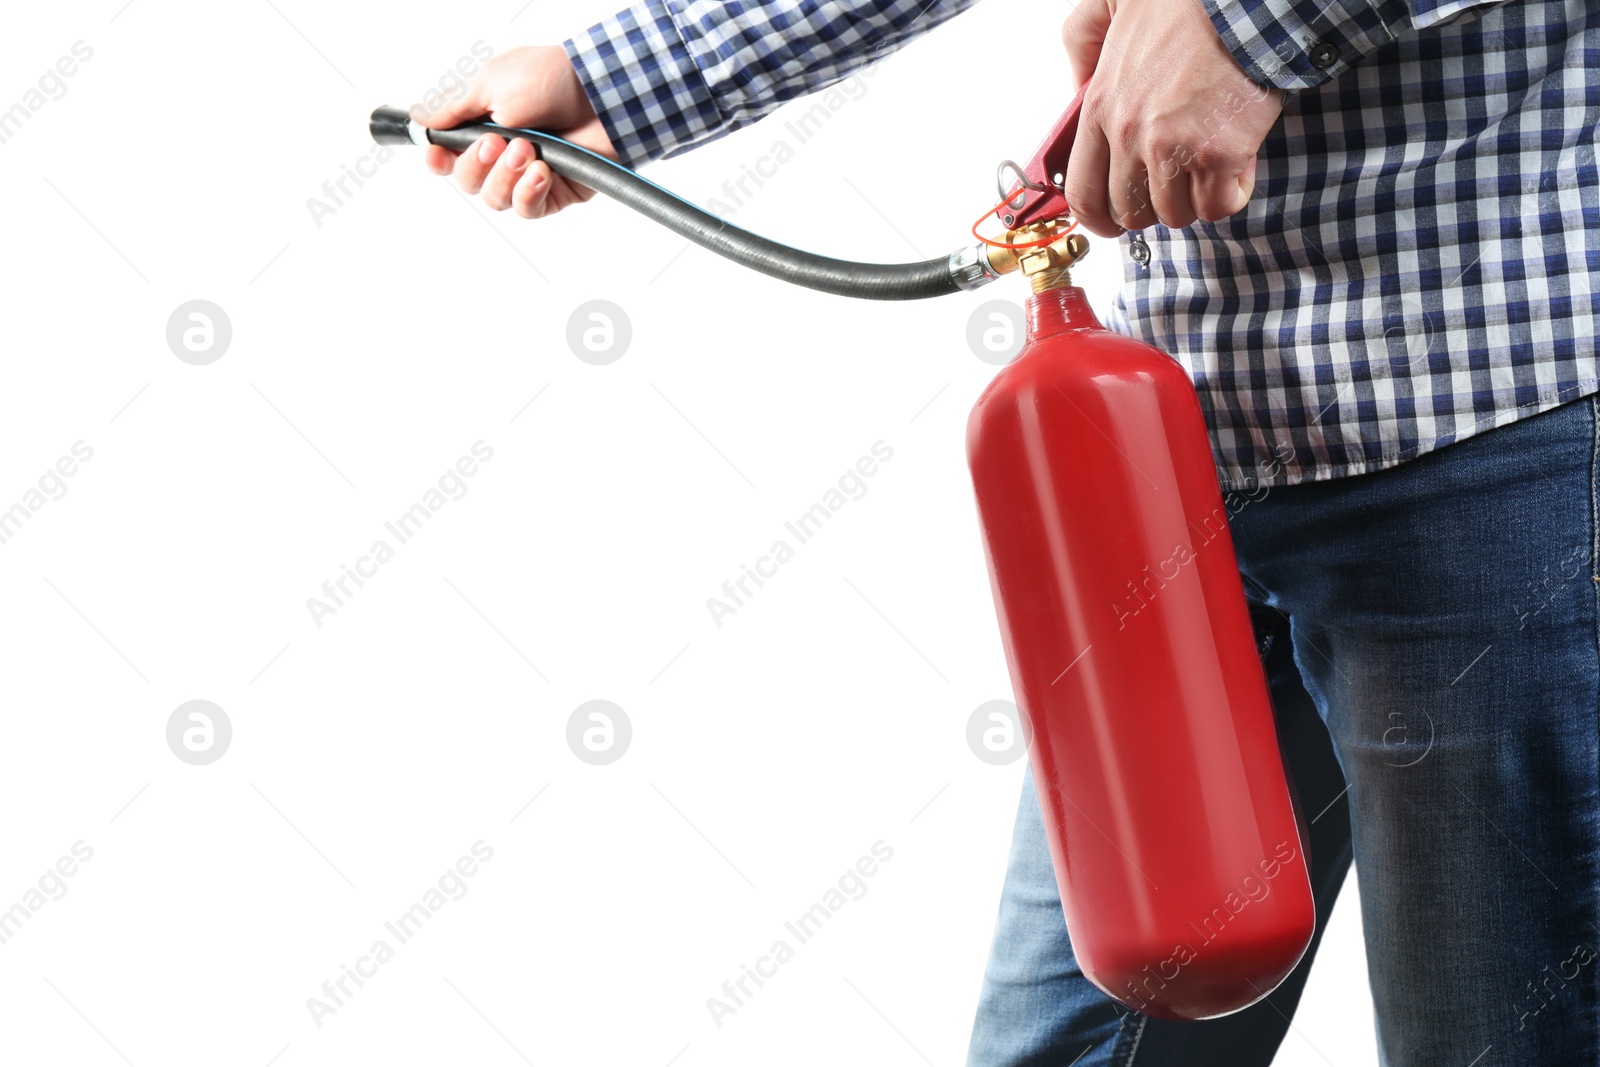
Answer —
1324 56
1138 250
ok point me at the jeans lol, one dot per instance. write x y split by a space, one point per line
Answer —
1430 637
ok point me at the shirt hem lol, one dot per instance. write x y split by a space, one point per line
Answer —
1239 479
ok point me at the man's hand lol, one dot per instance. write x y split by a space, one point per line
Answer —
531 87
1171 124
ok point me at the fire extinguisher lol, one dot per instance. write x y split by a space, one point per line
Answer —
1171 826
1170 821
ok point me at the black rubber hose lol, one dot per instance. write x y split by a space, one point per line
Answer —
868 281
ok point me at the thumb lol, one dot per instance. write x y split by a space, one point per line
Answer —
1084 35
439 111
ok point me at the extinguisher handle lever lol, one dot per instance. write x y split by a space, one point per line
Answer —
1037 196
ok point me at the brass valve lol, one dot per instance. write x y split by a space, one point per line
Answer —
1046 266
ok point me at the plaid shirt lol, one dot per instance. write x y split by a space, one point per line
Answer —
1418 262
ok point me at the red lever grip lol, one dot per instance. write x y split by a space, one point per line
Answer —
1041 194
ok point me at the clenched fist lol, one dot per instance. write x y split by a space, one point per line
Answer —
529 87
1170 126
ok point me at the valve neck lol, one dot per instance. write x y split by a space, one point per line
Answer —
1045 265
1058 310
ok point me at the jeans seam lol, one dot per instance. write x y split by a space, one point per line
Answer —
1594 491
1594 545
1138 1036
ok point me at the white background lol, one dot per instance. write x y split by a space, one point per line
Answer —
369 753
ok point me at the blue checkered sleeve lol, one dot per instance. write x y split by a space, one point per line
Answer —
1301 44
668 75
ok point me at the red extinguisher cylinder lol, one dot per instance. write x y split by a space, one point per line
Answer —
1181 866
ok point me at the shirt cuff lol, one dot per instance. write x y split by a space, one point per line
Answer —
651 97
1301 44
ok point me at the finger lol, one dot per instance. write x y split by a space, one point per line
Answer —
473 164
1169 194
1129 190
439 160
1247 183
531 195
503 176
1219 192
1087 178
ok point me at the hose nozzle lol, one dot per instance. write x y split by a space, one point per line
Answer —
394 125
